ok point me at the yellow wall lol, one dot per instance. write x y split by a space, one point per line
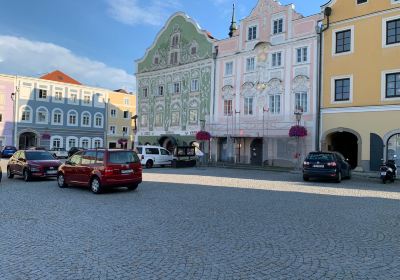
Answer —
369 58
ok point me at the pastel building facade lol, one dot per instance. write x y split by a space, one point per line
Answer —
121 110
57 111
361 81
7 90
174 84
266 71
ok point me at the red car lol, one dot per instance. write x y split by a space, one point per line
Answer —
100 168
31 163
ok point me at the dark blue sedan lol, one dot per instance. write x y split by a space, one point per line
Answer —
8 151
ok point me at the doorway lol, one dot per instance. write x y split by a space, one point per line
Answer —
256 150
27 139
345 143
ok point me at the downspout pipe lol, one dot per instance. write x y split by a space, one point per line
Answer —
327 13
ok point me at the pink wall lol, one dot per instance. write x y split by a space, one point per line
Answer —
6 126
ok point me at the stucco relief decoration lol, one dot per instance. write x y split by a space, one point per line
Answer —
301 83
247 89
274 86
227 92
194 103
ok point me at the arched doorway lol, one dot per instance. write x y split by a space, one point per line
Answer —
393 148
168 143
345 143
256 150
28 139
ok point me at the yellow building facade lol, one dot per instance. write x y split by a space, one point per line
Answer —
360 100
120 119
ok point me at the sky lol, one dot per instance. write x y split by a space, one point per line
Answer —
97 41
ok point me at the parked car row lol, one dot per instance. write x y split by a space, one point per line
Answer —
7 151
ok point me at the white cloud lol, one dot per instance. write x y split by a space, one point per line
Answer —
130 12
32 58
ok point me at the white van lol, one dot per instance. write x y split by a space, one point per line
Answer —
154 155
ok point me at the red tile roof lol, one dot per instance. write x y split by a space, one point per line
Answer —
59 76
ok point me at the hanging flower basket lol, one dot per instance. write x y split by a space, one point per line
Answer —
203 136
297 131
122 141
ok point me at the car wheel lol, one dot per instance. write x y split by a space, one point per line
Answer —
27 175
339 177
149 164
133 187
95 185
61 181
10 175
306 179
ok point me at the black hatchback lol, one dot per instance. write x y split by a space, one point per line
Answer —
328 165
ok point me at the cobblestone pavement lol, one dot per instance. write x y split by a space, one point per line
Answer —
202 223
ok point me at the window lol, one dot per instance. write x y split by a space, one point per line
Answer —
278 26
113 113
194 85
152 151
156 60
72 118
161 90
276 59
342 89
158 119
57 117
173 58
98 120
343 41
302 55
362 1
177 87
126 101
143 121
248 106
145 92
393 32
393 85
193 116
124 130
26 114
228 68
275 104
42 94
250 64
56 142
74 98
1 117
227 107
252 33
126 114
112 130
301 101
86 99
175 41
175 118
85 143
72 142
164 152
193 51
58 96
85 119
41 115
99 155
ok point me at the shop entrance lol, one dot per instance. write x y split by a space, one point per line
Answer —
345 143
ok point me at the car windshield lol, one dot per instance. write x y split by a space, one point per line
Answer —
39 156
123 157
139 150
323 157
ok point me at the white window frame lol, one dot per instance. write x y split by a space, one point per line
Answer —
248 32
126 101
306 100
95 120
76 119
194 85
90 100
70 100
302 55
22 109
276 55
272 107
227 112
384 32
111 114
112 131
46 121
127 130
352 47
226 74
90 119
248 62
277 19
161 88
67 146
56 137
333 86
94 140
61 117
248 110
383 85
177 89
55 100
38 94
83 139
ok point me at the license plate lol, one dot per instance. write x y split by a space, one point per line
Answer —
319 166
51 172
383 173
128 171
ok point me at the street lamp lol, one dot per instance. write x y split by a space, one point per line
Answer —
298 114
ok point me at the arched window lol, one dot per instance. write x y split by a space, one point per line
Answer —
97 142
85 142
393 148
72 118
72 141
175 40
26 114
98 120
42 115
56 142
57 117
86 119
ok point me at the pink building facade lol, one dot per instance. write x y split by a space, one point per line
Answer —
7 88
265 73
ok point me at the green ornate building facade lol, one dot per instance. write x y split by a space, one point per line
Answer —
174 84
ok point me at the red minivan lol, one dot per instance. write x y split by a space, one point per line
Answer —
100 168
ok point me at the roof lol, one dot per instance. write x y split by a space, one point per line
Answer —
59 76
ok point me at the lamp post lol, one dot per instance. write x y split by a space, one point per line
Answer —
298 114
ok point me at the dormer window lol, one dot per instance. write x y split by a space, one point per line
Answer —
278 26
252 33
175 41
